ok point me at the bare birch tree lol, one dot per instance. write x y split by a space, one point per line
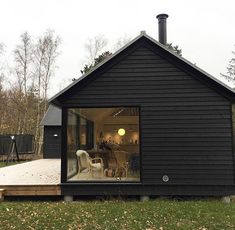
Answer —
23 60
94 46
122 41
52 43
23 104
45 54
2 99
1 48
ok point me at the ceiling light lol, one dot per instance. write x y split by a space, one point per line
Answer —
121 132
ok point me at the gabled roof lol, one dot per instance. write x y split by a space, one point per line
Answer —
52 117
142 34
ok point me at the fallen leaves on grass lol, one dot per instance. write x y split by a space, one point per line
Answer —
151 215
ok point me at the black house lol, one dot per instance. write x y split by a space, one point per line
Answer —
51 123
147 122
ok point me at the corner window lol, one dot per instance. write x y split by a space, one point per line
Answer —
103 144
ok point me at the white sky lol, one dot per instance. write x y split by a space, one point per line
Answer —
204 30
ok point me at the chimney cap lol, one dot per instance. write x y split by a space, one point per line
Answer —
159 16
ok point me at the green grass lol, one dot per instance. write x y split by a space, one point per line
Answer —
155 214
3 164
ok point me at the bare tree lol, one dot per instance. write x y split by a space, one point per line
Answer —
122 41
94 46
23 61
1 48
96 53
2 100
230 75
46 53
24 103
10 118
52 43
1 61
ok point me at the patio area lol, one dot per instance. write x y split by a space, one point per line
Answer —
38 177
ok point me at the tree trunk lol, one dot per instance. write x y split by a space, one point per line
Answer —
40 142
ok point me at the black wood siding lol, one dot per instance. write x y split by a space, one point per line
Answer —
186 130
149 190
52 144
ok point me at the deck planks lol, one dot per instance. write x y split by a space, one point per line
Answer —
34 178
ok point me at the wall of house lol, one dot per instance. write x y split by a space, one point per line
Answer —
52 143
233 135
186 130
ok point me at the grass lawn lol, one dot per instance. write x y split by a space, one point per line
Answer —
149 215
3 164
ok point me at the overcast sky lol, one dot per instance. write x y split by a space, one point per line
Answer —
204 30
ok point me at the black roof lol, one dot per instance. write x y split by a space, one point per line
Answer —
52 117
170 53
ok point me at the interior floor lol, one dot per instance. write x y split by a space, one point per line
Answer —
99 177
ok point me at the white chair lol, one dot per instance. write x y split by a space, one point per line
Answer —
89 165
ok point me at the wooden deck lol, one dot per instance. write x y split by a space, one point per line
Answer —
34 178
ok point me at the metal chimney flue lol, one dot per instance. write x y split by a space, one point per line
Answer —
162 33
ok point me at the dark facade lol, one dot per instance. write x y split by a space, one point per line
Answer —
186 125
52 142
52 133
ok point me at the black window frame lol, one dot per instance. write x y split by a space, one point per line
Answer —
64 178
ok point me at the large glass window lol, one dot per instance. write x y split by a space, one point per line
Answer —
103 144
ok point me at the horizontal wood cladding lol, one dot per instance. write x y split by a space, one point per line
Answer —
139 189
152 102
186 130
136 95
52 144
151 89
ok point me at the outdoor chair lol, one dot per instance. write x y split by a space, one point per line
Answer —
89 165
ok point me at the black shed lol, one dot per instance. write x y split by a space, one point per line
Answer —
51 123
147 122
